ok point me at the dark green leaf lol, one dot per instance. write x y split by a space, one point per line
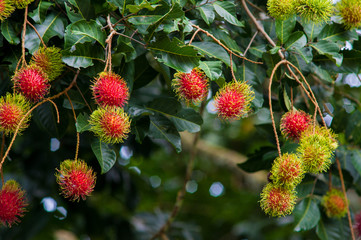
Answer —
337 32
306 214
72 14
353 127
83 7
296 41
82 123
213 69
207 13
84 31
227 10
262 159
105 154
83 55
145 4
333 229
285 28
328 49
213 50
321 73
312 29
10 31
38 15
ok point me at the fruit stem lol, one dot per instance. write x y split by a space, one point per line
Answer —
37 33
77 133
1 154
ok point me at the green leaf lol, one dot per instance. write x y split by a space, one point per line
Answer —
285 28
82 123
306 214
39 14
261 159
328 49
312 29
105 154
213 69
176 54
83 55
296 41
162 128
213 50
227 10
355 156
337 32
72 14
351 60
305 53
207 13
10 31
84 31
144 5
333 229
121 4
52 26
275 50
353 127
321 73
226 39
183 119
84 8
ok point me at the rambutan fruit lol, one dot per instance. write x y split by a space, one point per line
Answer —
12 203
110 89
13 108
6 9
277 201
357 225
293 123
334 203
110 124
317 11
233 100
350 12
287 171
31 82
191 87
49 60
316 148
19 4
281 9
76 179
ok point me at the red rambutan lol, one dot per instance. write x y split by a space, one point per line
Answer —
12 203
110 124
334 203
76 179
233 100
357 225
293 123
191 87
31 82
110 89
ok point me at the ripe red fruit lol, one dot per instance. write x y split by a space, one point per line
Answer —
12 203
293 123
76 179
110 89
31 82
358 224
191 87
233 100
335 204
110 124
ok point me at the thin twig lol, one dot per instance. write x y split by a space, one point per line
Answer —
195 6
77 133
23 38
232 71
250 43
345 195
56 110
194 34
82 95
1 155
37 33
255 6
133 39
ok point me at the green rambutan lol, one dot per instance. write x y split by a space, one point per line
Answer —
19 4
316 148
49 60
287 171
315 10
334 203
6 9
350 12
281 9
277 201
110 124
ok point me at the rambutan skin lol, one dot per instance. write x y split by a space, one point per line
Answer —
281 9
287 171
76 180
19 4
6 9
350 12
110 124
276 201
357 225
13 107
334 203
316 148
12 203
31 82
49 60
191 87
293 123
110 89
317 11
233 100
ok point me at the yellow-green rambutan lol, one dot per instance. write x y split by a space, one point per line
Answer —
287 171
316 148
277 201
6 9
315 10
281 9
110 124
334 203
49 60
19 4
350 12
13 108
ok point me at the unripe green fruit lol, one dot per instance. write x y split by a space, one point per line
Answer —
281 9
350 12
315 10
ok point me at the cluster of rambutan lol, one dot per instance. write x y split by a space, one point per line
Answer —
232 101
7 7
317 10
313 155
